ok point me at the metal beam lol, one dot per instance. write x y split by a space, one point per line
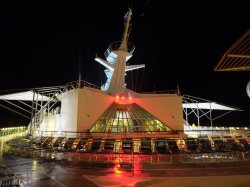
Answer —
14 111
17 106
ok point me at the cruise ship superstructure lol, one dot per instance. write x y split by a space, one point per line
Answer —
116 117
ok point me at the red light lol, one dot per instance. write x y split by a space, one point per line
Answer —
117 97
129 97
123 97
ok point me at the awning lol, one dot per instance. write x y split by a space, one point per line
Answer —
24 96
208 106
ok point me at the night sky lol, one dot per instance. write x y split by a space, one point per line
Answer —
180 42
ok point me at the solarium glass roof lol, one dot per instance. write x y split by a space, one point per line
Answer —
130 118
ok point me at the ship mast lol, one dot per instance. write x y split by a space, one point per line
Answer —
117 54
125 36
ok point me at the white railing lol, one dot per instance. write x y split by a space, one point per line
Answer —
115 46
76 84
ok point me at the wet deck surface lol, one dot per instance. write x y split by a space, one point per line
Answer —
36 172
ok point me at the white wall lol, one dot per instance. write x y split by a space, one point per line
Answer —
80 109
69 110
92 104
166 107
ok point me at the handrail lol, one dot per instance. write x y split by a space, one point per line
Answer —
115 46
162 92
75 84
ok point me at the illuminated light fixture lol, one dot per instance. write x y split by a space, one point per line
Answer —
123 97
117 97
129 97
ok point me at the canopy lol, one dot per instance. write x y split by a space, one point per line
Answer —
24 96
208 106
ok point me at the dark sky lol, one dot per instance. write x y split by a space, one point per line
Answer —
180 42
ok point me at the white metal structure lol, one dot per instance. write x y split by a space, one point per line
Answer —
77 107
203 108
117 54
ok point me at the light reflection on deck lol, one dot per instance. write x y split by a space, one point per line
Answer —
127 171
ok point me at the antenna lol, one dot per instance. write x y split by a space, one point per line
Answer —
79 67
79 77
178 90
127 25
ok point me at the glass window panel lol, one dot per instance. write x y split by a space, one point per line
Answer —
128 118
